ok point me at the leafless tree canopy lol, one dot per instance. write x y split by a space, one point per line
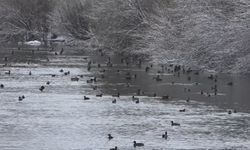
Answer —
196 30
25 18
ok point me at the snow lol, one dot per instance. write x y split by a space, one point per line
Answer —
210 33
33 43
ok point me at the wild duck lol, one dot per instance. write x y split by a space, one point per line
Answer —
174 124
114 101
86 98
138 144
165 135
99 95
75 79
182 110
42 88
135 98
165 97
114 148
110 137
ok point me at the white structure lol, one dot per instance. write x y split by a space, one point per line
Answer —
33 43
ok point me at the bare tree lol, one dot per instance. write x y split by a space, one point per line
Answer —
73 18
25 18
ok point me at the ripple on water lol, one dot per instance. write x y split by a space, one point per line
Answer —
59 118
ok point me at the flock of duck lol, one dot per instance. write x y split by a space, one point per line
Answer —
176 70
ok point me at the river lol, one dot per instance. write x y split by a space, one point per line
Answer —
59 118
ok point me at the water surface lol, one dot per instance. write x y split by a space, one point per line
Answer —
59 118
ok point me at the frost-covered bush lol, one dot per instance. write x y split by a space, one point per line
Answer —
24 19
213 34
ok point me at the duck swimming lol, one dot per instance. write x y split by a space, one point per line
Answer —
114 148
114 101
165 97
75 79
135 98
182 110
138 144
42 88
21 98
99 95
8 72
165 135
86 98
174 124
110 137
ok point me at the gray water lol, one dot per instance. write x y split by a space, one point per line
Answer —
60 119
